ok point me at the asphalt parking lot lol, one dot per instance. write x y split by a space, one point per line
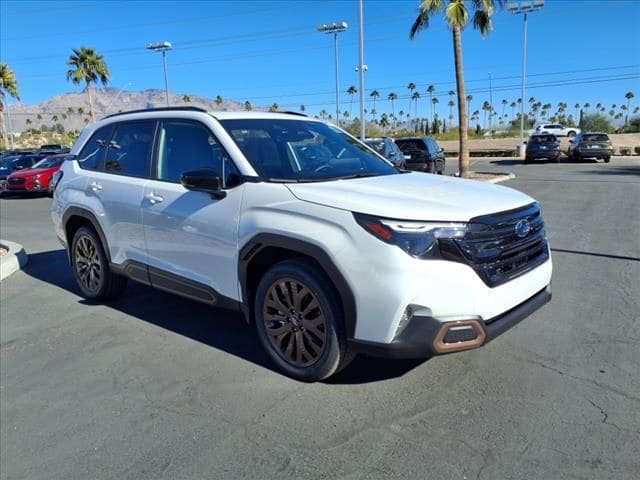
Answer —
157 387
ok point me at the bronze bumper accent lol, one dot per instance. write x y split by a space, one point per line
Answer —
440 346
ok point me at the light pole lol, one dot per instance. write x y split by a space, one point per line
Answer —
490 106
162 47
361 69
335 28
524 8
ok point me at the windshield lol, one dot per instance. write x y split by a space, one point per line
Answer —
303 151
543 139
377 145
595 137
7 162
49 162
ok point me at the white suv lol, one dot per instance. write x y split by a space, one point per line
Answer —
322 243
557 129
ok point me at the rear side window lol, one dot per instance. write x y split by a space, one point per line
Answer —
185 146
129 150
90 157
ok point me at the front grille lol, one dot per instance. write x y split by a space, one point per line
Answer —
495 251
16 181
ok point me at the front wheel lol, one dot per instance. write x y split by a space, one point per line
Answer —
607 159
91 268
431 167
571 134
299 321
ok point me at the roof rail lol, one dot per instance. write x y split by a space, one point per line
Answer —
159 109
300 114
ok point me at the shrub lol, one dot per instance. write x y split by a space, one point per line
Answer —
625 150
596 123
636 149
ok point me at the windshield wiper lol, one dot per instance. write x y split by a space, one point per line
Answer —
357 175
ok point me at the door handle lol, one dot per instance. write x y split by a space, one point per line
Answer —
95 186
153 198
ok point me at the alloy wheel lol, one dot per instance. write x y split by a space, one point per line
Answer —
294 322
87 263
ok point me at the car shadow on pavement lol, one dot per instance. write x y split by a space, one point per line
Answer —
222 329
613 170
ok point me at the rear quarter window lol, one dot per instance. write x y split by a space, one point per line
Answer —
91 155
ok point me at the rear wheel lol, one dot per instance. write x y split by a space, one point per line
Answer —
607 159
571 134
299 322
527 159
91 268
431 167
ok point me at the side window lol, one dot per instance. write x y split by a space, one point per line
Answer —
90 157
130 148
185 146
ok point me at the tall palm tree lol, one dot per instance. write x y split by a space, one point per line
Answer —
486 107
504 105
586 106
415 96
577 107
247 106
411 87
302 108
274 107
384 121
323 114
430 90
352 90
628 96
392 96
186 98
374 94
468 99
8 86
90 67
401 114
434 102
513 110
218 101
457 16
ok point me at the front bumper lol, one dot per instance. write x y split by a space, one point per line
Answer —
423 335
26 187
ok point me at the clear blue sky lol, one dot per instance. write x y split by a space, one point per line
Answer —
269 51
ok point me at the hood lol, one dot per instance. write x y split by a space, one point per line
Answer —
28 172
413 196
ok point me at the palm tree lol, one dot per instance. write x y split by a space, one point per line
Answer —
88 66
323 114
80 112
636 110
411 87
415 96
8 86
374 94
39 116
504 105
628 96
70 111
247 106
430 90
274 107
486 107
468 99
384 121
54 118
401 114
352 90
64 116
434 102
586 106
302 108
457 16
577 107
451 104
513 110
218 101
28 121
392 96
186 98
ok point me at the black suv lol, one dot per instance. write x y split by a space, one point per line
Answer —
388 149
591 145
542 145
426 155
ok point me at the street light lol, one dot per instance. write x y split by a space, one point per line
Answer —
524 8
361 68
335 28
162 47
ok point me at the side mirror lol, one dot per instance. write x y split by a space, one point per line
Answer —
441 150
525 142
206 181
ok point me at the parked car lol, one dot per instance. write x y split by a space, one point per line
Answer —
37 178
388 149
8 165
426 155
328 254
591 145
542 145
54 148
557 129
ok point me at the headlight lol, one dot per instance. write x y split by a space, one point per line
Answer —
36 177
418 239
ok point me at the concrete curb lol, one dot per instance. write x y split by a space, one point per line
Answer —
501 178
14 260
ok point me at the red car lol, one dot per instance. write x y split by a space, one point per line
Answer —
35 179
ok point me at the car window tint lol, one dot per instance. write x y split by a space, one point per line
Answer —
595 137
90 157
186 146
129 149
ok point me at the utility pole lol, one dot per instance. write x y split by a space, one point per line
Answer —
163 47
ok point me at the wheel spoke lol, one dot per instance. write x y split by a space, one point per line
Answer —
279 331
311 306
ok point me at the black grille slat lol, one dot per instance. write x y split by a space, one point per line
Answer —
494 250
16 181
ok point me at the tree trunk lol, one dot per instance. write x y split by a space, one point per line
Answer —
93 117
3 128
463 162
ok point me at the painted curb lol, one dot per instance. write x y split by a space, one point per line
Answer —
502 178
14 260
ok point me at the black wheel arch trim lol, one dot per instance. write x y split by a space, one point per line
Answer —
265 240
88 215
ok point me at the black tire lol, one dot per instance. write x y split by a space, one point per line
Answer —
556 159
299 321
571 134
91 268
527 160
431 167
607 159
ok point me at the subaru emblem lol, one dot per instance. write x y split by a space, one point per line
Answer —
523 227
